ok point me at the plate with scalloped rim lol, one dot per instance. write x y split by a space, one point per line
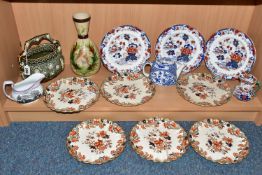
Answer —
203 90
159 139
219 141
72 94
125 49
128 89
229 53
181 44
96 141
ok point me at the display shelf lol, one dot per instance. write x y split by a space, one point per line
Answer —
166 99
23 19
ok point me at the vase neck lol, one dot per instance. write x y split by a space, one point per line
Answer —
82 36
82 21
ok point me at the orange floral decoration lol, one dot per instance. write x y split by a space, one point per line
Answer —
131 50
235 57
186 51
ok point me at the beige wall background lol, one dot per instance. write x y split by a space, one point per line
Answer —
56 18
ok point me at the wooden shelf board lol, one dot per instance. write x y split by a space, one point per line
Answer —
166 99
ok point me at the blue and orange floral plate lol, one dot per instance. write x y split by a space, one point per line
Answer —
73 94
219 141
181 44
229 53
159 139
125 49
96 141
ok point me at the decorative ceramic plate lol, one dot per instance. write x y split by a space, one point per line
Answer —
72 94
125 49
230 52
128 89
201 89
96 141
183 45
159 139
219 141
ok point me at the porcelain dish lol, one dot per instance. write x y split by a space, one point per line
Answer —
73 94
203 90
219 141
128 89
96 141
159 139
183 44
229 53
125 49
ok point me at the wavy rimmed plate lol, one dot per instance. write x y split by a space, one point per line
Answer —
73 94
125 49
159 139
229 53
96 141
128 89
201 89
181 44
219 141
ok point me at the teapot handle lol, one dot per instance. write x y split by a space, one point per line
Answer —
144 71
4 87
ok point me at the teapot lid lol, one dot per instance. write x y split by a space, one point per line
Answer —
167 60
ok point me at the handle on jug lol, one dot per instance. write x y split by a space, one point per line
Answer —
4 87
144 71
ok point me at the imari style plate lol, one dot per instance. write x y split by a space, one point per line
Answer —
73 94
181 44
201 89
96 141
229 53
159 139
128 89
219 141
125 49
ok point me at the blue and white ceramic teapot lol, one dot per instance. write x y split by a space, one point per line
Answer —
164 72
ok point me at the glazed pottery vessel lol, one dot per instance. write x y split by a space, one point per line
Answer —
27 90
84 56
219 141
39 57
159 139
163 72
248 87
96 141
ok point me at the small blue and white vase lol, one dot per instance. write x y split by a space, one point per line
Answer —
163 73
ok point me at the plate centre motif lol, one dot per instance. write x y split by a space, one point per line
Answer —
159 141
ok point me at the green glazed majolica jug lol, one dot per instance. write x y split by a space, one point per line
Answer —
84 56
